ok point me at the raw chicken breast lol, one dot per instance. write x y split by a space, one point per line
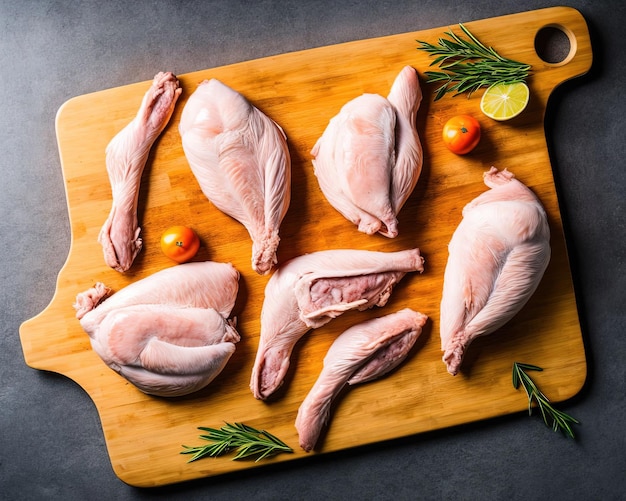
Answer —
369 158
126 157
170 333
498 255
310 290
362 353
241 160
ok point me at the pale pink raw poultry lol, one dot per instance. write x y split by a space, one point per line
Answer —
369 158
498 255
310 290
170 333
241 161
362 353
126 157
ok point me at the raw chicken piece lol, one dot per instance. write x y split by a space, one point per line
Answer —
369 158
362 353
498 255
126 157
310 290
170 333
241 161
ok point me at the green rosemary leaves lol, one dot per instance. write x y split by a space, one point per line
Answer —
246 440
552 417
468 65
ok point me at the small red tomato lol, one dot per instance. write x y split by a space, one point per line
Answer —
180 243
461 134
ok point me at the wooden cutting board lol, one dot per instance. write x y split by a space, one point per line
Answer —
302 91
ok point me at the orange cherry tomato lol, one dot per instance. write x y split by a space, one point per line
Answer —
180 243
461 134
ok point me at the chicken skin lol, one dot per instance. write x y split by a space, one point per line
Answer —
497 257
126 157
362 353
369 158
309 291
241 160
170 333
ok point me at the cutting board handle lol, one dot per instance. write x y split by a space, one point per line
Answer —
576 62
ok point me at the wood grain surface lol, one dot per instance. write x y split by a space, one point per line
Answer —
302 91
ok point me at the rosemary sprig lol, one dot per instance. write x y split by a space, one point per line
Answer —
248 442
552 417
468 65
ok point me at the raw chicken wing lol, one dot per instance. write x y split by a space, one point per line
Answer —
241 161
170 333
310 290
497 257
362 353
126 157
369 158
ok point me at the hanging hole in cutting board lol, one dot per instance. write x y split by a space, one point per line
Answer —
555 44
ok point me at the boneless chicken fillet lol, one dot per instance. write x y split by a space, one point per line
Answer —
241 160
497 257
369 158
126 157
170 333
310 290
362 353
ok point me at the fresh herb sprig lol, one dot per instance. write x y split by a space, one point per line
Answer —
468 65
246 440
553 418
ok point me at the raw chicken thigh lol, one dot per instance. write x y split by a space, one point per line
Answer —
170 333
362 353
126 157
498 255
369 158
310 290
241 161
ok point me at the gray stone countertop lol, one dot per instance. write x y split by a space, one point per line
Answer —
51 442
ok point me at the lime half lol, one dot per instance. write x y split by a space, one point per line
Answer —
503 101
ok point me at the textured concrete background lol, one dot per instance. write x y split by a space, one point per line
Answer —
51 443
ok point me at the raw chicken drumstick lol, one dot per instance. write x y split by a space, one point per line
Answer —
170 333
241 161
369 158
364 352
310 290
498 255
126 157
